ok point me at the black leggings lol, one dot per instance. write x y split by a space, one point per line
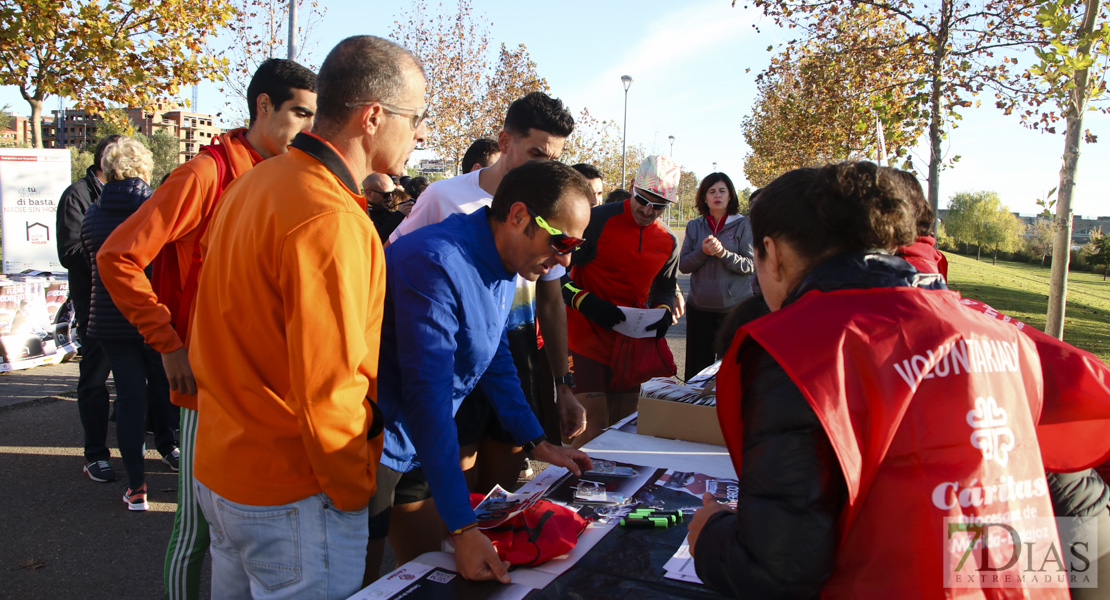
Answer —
701 339
141 385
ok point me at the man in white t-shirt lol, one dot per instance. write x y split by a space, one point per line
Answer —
536 127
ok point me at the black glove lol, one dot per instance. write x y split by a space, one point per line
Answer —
599 311
662 325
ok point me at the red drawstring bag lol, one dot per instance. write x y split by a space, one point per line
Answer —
636 360
538 534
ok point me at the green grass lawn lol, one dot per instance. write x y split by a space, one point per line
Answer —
1021 291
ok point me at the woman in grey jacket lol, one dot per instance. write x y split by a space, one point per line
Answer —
717 253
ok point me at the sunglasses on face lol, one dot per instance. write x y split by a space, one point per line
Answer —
562 243
653 205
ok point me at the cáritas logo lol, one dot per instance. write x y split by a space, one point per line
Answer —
989 431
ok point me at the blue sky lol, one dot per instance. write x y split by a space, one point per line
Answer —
689 63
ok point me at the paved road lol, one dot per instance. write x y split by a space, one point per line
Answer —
65 536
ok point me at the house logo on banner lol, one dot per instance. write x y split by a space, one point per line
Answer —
37 233
989 432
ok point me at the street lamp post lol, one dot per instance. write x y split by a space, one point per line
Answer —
292 54
671 138
627 81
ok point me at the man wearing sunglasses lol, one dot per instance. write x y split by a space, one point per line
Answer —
629 259
378 189
536 127
449 296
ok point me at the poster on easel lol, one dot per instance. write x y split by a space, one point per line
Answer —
31 183
35 322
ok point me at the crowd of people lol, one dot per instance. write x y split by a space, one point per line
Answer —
333 354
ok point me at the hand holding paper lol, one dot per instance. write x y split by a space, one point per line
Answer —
637 320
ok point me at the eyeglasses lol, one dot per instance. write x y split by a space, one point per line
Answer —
379 192
653 205
562 243
416 116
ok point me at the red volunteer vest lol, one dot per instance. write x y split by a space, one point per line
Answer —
930 409
1074 429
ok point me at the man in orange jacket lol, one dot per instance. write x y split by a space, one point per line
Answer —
286 334
167 230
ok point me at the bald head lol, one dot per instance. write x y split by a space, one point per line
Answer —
377 187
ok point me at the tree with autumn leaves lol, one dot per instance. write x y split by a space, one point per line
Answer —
1068 78
948 52
131 53
955 50
468 96
821 101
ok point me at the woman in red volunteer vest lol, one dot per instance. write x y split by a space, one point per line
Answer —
922 253
867 408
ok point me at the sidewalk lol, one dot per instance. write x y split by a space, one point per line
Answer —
66 536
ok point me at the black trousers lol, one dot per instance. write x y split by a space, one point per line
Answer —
701 339
92 397
92 378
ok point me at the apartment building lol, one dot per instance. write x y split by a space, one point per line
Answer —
63 129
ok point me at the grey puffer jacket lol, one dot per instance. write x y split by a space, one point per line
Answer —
718 284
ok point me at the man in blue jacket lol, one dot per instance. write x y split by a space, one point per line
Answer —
449 291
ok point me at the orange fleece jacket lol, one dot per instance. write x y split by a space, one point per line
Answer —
171 217
285 336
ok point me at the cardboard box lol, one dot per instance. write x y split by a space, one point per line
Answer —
679 421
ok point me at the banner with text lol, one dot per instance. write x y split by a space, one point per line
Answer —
31 183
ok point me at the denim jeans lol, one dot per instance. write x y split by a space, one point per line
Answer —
306 549
140 383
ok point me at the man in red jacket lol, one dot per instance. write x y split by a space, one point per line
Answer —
629 259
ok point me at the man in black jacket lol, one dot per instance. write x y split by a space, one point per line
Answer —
378 189
92 391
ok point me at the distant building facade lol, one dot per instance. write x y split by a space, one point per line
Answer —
64 129
429 166
18 132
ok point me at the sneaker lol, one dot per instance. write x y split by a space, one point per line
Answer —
135 499
100 470
173 459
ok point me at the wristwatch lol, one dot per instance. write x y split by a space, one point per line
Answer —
529 446
567 380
